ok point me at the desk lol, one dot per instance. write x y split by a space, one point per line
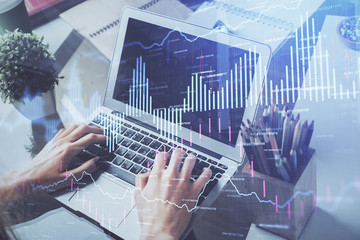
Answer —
336 140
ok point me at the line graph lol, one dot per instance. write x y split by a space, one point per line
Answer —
189 209
216 30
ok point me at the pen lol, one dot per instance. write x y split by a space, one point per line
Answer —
296 137
293 160
288 144
265 115
261 153
279 137
270 156
286 134
287 166
309 135
281 169
304 130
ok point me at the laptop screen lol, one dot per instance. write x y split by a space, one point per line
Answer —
190 81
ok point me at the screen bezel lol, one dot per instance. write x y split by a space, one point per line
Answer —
233 153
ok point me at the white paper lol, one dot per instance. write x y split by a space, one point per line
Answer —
92 15
269 22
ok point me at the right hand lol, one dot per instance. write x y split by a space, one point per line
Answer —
167 196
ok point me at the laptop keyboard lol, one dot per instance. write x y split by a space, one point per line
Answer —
135 151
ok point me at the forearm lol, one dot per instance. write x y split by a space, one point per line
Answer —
14 186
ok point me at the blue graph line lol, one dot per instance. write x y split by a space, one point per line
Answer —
163 41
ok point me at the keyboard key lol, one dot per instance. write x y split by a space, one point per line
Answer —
102 123
136 129
191 152
130 155
153 136
103 114
121 130
151 154
126 165
216 172
201 199
163 140
138 137
145 163
135 146
195 173
155 145
104 147
164 148
139 159
127 125
126 142
118 161
135 169
93 125
201 157
223 166
121 151
146 141
109 157
101 152
144 150
144 170
118 139
129 133
97 119
144 132
92 149
209 187
212 161
85 156
173 145
201 166
120 173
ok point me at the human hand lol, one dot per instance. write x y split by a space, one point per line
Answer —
50 165
167 196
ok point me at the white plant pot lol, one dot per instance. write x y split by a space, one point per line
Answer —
38 107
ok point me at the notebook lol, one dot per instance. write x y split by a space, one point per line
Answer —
97 20
268 22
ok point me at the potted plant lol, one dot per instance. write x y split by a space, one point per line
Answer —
27 74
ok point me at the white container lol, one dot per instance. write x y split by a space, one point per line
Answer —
40 106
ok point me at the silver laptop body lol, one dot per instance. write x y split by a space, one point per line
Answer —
179 85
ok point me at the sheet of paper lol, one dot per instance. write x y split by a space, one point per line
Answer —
269 22
97 21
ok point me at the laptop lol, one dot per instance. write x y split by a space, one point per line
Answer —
170 85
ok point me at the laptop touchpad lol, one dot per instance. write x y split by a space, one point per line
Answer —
105 201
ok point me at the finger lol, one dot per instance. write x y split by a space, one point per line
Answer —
188 166
202 180
88 140
141 180
83 130
68 130
86 168
175 161
58 134
160 162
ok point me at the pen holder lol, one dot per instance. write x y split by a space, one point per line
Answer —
278 206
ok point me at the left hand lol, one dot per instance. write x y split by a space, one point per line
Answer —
49 167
